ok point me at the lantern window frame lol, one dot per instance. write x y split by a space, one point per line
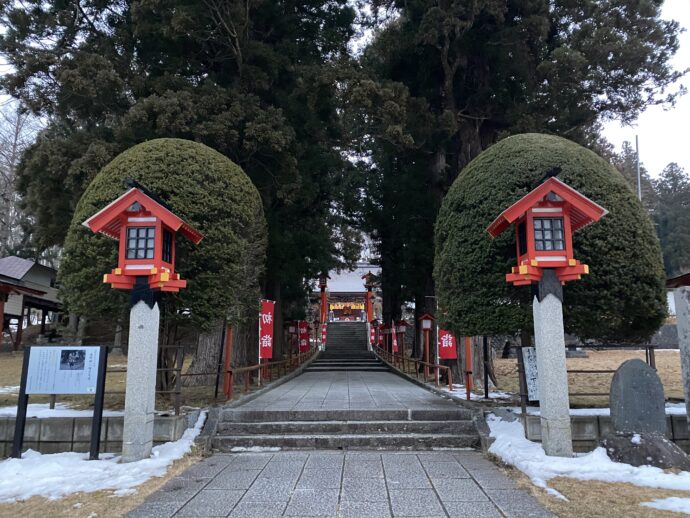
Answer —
149 242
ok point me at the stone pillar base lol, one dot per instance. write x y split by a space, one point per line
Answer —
556 437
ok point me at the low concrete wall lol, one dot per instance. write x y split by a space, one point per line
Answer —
60 434
589 430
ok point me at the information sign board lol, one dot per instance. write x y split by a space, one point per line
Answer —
67 369
63 370
529 358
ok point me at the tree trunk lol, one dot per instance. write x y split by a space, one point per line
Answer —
205 362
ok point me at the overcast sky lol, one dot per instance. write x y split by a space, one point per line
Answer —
664 135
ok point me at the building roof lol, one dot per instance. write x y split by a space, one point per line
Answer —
350 281
677 282
583 211
15 267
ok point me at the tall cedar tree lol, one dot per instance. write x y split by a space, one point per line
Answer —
444 80
672 218
251 79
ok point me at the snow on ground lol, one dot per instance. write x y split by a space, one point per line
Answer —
253 449
461 391
674 503
43 411
671 409
58 474
9 389
529 457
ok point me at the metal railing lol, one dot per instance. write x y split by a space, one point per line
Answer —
402 363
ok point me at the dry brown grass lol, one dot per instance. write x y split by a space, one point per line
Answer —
595 499
667 364
101 504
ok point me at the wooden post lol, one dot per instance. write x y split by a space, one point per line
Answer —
20 329
468 366
43 321
227 377
426 354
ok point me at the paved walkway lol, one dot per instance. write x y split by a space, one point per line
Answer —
342 484
348 390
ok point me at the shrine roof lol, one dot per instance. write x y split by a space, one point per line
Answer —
350 281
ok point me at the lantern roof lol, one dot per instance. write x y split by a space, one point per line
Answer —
583 211
108 220
426 316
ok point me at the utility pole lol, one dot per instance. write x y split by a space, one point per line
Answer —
637 156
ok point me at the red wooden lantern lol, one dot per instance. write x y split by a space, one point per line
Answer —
427 321
545 220
146 229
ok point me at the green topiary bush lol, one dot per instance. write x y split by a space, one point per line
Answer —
206 189
623 297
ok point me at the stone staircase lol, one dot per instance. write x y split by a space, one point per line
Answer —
374 421
415 429
346 350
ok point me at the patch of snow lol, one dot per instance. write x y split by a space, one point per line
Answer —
42 410
58 474
9 389
671 409
674 503
459 390
636 439
253 449
513 448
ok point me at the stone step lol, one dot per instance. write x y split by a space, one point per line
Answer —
364 441
345 368
421 414
345 427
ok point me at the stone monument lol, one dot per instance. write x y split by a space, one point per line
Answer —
638 417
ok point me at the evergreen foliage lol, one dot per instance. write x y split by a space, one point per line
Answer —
205 189
672 218
622 298
253 80
442 81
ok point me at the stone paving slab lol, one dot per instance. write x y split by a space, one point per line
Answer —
348 390
342 485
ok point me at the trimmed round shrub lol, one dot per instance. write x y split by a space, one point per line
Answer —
204 188
623 297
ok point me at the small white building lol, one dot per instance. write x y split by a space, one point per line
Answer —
25 286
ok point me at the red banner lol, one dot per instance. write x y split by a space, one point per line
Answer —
324 333
395 339
266 329
447 345
381 336
372 335
303 336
